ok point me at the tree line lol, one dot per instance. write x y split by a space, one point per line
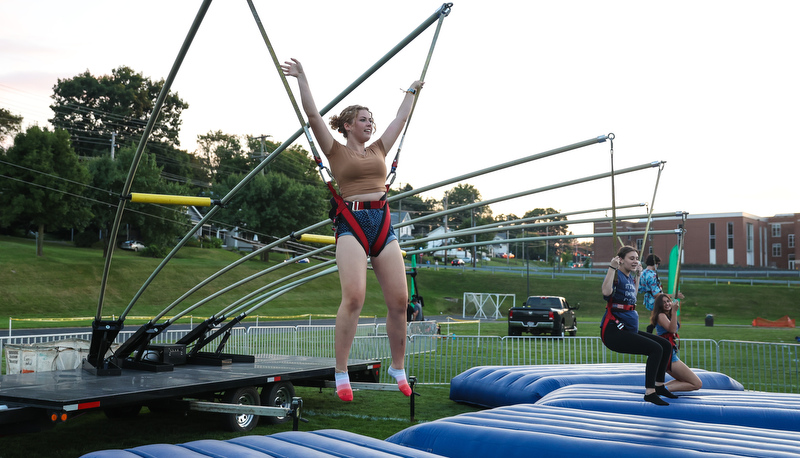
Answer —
66 181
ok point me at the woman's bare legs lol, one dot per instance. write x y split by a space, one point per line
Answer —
391 273
352 263
685 378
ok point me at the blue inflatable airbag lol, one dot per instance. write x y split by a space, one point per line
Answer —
554 431
779 411
495 386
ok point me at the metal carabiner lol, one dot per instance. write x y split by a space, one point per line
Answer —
445 9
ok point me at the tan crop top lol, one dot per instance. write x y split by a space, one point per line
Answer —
356 174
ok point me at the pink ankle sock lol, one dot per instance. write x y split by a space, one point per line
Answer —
402 383
343 389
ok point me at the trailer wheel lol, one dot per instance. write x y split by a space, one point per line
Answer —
241 423
277 395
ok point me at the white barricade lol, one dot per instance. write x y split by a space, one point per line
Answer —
486 300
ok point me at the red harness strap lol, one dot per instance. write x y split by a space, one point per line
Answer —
345 209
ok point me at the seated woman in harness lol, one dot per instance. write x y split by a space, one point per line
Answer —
619 327
363 226
666 320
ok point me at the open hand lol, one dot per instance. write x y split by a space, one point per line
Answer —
292 68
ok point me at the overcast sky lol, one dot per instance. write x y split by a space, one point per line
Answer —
710 87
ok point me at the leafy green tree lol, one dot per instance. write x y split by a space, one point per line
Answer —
155 225
93 108
180 167
294 162
9 125
537 250
44 190
224 154
417 207
272 204
461 195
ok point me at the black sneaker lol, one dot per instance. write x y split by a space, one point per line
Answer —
653 397
663 391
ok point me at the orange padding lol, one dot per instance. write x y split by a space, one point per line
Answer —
784 322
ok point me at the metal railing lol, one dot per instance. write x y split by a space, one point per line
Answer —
436 359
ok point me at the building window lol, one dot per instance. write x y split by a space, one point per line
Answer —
712 238
776 250
776 230
791 240
639 243
730 236
749 237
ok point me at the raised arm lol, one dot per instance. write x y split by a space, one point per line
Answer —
394 128
321 133
670 324
611 273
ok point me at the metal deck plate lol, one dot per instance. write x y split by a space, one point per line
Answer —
61 389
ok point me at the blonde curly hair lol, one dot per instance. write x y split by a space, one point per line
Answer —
348 115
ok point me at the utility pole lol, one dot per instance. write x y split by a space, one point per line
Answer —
474 237
261 156
445 227
113 144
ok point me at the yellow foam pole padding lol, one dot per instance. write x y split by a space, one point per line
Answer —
314 238
329 239
170 200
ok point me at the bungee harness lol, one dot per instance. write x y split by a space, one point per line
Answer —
610 306
345 209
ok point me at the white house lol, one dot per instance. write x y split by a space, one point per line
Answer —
452 252
496 249
403 233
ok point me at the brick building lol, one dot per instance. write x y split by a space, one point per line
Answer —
735 239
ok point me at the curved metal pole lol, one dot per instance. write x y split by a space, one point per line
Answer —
291 286
652 206
538 238
443 13
534 191
140 149
495 168
242 282
489 228
534 218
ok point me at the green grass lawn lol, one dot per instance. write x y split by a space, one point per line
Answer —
65 283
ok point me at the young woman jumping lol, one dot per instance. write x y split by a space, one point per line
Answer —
360 173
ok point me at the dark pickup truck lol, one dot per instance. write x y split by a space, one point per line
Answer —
543 314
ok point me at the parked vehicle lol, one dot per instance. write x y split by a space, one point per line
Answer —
543 314
457 262
134 245
507 255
